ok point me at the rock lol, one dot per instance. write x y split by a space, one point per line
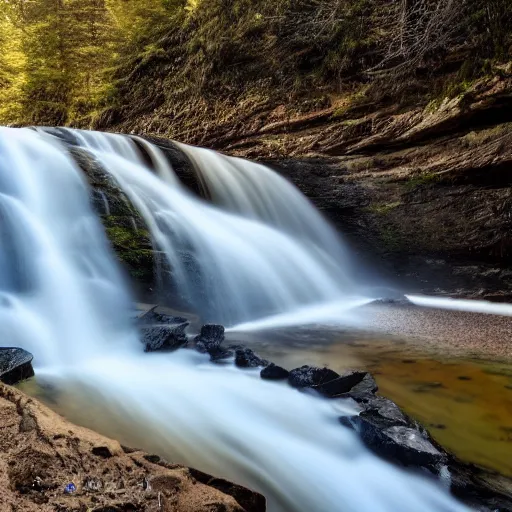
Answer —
363 389
400 444
163 337
347 383
92 484
246 358
210 338
221 354
102 451
274 372
250 501
154 459
153 317
15 365
212 332
310 376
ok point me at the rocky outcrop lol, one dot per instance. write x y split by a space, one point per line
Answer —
48 464
15 365
421 192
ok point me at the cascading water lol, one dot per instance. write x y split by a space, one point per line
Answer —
236 265
57 280
63 299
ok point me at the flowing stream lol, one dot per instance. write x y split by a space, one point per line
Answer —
266 253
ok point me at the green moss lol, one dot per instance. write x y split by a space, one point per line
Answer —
383 208
132 247
421 180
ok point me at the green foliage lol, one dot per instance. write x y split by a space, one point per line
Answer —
72 61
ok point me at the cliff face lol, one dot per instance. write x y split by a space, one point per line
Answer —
414 164
423 194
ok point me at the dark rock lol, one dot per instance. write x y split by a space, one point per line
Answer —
480 488
363 389
210 338
353 381
310 376
164 337
463 377
249 500
128 449
154 459
274 372
154 317
102 451
397 443
387 410
212 332
15 365
246 358
220 354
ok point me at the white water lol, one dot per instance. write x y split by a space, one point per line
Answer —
473 306
62 298
229 267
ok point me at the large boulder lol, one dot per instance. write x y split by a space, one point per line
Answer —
15 365
310 376
390 433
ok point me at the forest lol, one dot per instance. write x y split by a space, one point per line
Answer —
87 62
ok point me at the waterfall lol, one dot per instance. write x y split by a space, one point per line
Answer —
61 295
63 298
261 249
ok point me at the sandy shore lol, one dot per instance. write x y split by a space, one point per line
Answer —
462 333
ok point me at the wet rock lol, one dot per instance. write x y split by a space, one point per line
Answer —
221 354
210 338
154 317
356 382
15 365
163 337
401 444
366 387
246 358
212 332
310 376
274 372
160 331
